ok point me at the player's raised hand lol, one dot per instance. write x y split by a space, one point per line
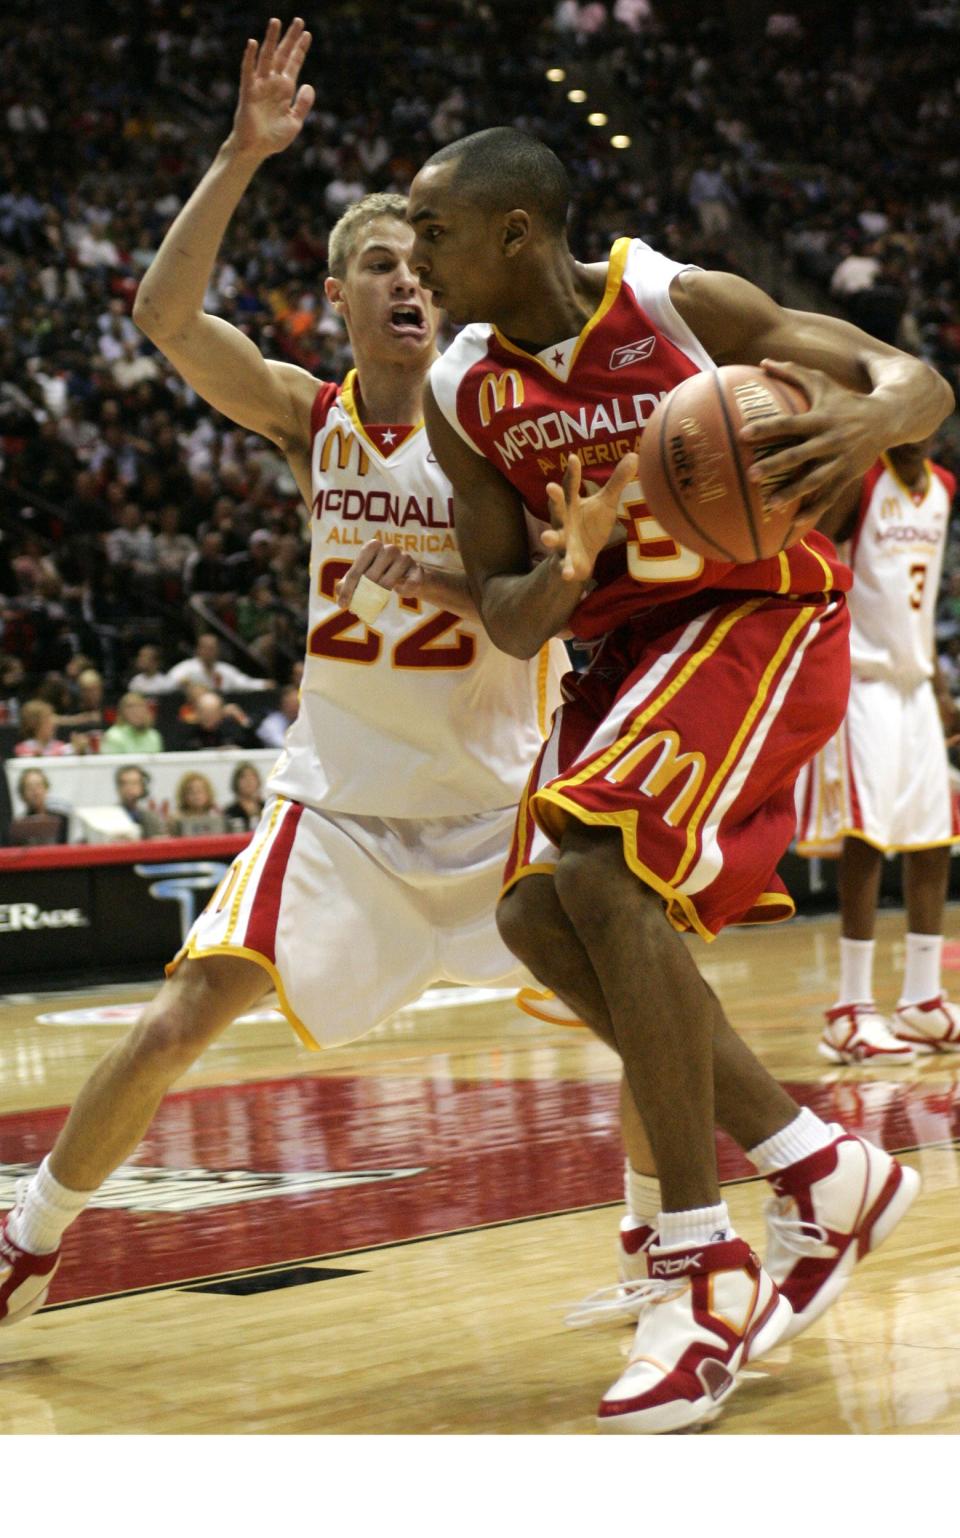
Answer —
583 525
271 110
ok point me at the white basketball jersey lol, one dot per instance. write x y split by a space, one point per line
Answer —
417 715
896 554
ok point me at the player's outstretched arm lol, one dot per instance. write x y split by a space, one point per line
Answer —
521 606
865 396
222 364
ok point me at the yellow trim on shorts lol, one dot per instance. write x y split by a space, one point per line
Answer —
626 822
717 635
541 868
785 573
756 705
775 900
811 848
543 673
244 881
192 952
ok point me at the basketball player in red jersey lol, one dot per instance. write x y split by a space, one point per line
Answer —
663 798
392 805
882 783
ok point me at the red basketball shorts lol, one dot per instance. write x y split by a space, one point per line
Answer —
689 740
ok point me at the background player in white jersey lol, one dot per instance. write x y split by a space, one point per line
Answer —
393 803
882 783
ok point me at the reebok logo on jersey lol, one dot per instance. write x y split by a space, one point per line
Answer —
632 352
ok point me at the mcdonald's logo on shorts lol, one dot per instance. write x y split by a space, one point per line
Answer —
668 766
493 394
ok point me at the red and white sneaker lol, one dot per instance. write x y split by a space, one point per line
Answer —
707 1310
933 1026
544 1005
24 1279
858 1033
830 1210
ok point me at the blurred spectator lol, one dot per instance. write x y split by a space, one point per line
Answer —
172 549
711 197
38 824
196 812
38 725
205 667
218 725
11 682
133 731
89 713
273 728
150 677
133 785
244 811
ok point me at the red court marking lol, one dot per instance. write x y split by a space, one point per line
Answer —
493 1151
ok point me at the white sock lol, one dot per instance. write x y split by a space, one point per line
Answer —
642 1196
697 1225
38 1222
921 975
856 971
800 1137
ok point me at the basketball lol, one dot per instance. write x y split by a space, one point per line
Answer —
693 466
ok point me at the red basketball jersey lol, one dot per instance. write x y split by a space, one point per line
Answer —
592 394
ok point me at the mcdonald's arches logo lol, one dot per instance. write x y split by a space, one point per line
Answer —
669 765
493 394
343 441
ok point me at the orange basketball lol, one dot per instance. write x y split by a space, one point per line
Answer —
693 466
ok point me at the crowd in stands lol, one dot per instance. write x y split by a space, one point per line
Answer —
148 548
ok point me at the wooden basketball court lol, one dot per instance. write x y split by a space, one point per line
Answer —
386 1238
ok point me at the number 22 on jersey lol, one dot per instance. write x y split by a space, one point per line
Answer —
428 645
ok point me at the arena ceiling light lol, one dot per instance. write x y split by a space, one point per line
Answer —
556 75
597 119
620 141
576 95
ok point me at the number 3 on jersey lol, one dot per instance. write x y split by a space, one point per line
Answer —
652 556
423 647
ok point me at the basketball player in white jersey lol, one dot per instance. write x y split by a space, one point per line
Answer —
882 783
393 803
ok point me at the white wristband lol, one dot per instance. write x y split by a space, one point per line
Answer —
368 600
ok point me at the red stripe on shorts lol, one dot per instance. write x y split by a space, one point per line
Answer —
856 815
261 932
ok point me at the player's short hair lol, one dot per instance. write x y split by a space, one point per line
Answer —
504 168
348 228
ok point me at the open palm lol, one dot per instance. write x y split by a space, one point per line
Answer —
271 110
582 525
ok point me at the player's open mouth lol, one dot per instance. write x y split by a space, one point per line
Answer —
407 320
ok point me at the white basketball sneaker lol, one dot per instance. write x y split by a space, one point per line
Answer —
830 1210
705 1311
933 1026
858 1033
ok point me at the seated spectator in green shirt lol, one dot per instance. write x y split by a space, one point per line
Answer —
132 732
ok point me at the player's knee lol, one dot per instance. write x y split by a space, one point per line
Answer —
523 923
169 1039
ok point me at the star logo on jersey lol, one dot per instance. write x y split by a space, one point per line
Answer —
389 437
558 357
632 352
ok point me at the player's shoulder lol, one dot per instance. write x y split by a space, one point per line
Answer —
469 346
326 397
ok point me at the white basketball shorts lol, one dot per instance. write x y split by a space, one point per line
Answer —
353 917
883 777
